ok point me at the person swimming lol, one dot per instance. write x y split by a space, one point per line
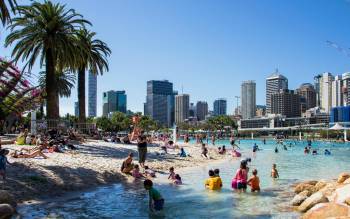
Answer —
276 149
327 152
255 147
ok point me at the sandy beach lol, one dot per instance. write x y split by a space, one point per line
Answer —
94 163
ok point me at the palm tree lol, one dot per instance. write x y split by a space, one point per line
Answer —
5 12
47 31
64 81
94 59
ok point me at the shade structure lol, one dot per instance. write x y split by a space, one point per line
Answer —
337 126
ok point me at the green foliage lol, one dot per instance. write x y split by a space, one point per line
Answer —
220 122
120 121
147 124
104 123
5 10
64 82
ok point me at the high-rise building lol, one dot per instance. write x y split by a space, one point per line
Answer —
114 101
160 102
326 91
274 84
76 109
308 96
337 95
346 88
182 108
192 110
286 103
92 95
260 111
317 82
220 107
201 110
248 99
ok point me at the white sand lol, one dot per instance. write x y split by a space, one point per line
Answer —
95 163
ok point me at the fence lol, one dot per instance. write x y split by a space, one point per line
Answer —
64 125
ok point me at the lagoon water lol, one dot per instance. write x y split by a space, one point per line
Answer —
191 200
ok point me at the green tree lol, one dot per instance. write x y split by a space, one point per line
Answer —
94 59
64 82
5 9
147 124
48 31
120 121
220 122
104 123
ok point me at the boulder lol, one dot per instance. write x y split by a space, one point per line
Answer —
326 210
302 187
7 198
347 201
347 181
311 201
342 193
311 182
342 177
299 198
6 211
329 189
319 185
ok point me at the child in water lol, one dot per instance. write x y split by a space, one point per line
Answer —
136 172
171 173
213 182
149 172
156 202
177 180
3 162
254 181
274 172
182 152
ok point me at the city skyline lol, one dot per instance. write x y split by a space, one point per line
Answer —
213 45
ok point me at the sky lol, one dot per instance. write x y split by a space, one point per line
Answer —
207 48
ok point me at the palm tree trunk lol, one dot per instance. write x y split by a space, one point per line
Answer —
81 94
52 108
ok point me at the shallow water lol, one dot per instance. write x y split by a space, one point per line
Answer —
191 200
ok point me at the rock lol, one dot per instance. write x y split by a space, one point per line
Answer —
326 210
302 187
328 190
311 182
342 177
319 185
347 181
299 198
347 201
7 198
342 193
311 201
6 211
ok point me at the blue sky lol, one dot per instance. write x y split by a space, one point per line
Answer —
209 47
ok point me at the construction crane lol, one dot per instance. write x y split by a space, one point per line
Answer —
339 48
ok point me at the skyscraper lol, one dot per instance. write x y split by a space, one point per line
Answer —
346 88
248 99
182 107
201 110
192 110
220 107
308 96
317 82
274 84
76 109
326 91
92 95
114 101
160 102
337 94
286 102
